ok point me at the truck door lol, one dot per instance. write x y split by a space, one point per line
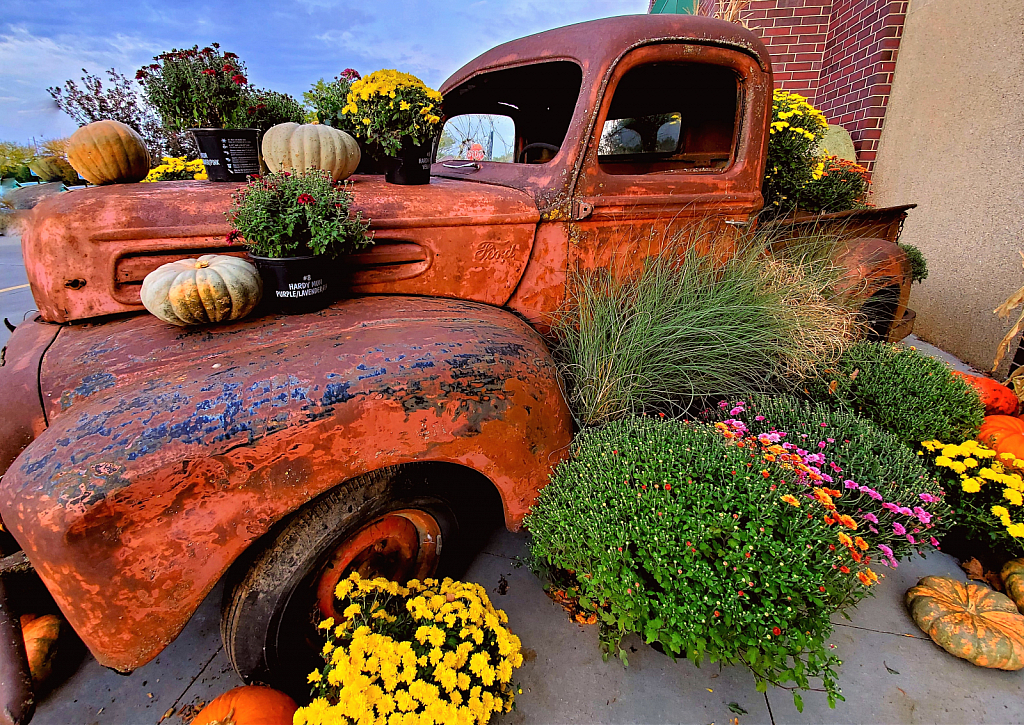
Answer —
675 155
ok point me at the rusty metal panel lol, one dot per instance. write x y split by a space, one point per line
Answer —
87 252
872 265
872 223
170 450
23 417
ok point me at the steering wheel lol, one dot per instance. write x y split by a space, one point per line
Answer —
530 146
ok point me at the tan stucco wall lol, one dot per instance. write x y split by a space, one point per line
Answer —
953 143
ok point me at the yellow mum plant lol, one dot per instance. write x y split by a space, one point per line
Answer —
796 129
176 168
985 491
387 106
427 652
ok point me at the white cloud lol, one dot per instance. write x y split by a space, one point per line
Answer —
31 64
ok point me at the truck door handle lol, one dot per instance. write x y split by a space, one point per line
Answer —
738 223
581 210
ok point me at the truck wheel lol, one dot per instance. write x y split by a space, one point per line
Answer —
379 524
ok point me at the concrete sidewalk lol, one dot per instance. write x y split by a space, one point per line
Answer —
891 672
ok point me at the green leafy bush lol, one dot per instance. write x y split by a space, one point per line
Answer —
796 129
193 88
895 501
293 215
327 98
688 326
671 532
261 109
909 394
839 186
918 264
14 160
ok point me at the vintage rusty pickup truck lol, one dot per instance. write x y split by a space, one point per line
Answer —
145 463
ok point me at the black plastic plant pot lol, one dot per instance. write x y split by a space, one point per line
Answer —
372 158
411 167
229 154
295 285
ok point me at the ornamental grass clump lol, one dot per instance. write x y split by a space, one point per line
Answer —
294 215
388 106
688 326
914 397
985 491
875 480
426 652
673 531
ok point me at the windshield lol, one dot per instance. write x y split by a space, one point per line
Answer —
528 109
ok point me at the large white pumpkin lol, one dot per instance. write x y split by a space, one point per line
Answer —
213 288
290 146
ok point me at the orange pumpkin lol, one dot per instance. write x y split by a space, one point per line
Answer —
249 705
41 635
997 398
1003 434
969 621
108 152
1013 580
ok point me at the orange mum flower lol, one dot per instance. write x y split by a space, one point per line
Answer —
847 521
791 500
861 544
845 540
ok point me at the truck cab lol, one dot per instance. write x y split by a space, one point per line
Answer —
146 462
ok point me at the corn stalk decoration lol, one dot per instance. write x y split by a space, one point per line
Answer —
1014 301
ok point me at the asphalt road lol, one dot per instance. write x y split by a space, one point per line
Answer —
15 297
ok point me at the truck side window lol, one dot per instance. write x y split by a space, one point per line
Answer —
477 137
671 116
536 100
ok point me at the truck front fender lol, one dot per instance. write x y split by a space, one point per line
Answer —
170 451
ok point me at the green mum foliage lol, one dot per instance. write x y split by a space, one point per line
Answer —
670 531
915 397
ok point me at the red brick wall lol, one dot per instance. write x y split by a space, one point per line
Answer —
795 32
857 68
840 54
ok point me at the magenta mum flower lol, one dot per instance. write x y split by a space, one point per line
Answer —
898 529
305 199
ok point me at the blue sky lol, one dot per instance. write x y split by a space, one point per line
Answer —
286 45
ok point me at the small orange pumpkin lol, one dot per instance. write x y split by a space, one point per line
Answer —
41 635
108 152
997 398
249 705
1013 580
969 621
1003 434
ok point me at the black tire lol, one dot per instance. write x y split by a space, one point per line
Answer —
268 617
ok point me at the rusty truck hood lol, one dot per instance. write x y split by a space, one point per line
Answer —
87 252
169 450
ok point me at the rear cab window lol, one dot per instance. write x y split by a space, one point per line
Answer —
671 117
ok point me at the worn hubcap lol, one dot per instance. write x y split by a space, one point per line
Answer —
400 546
